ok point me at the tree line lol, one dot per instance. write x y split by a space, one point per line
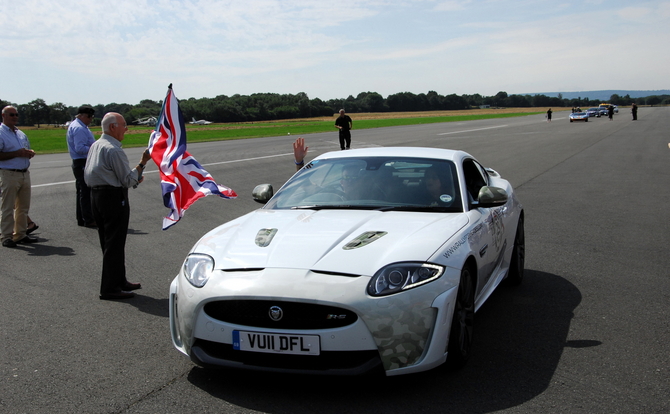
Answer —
272 106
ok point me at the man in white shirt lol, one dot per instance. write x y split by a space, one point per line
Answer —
108 175
15 155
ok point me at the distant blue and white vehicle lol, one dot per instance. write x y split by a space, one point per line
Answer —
594 112
367 260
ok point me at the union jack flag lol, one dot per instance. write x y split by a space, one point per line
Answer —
183 180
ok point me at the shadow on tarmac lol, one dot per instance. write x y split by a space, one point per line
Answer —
151 306
43 250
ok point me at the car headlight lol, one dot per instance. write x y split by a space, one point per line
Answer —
402 276
197 269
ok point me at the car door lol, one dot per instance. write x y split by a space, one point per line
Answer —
488 227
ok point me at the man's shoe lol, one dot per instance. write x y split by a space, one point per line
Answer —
28 239
117 295
91 225
8 243
132 286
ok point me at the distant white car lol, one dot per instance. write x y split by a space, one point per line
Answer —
365 260
616 108
579 116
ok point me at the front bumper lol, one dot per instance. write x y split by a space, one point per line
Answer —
397 334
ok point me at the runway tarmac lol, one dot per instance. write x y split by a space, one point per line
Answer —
587 332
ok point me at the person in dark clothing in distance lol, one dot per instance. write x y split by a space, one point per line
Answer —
344 124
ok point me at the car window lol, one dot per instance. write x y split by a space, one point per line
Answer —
475 177
396 183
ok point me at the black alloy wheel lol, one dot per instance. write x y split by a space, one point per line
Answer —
462 325
518 262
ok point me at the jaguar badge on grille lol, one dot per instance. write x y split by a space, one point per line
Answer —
276 313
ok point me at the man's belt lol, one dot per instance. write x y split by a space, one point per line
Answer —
14 170
105 187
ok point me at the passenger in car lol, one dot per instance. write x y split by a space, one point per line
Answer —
439 187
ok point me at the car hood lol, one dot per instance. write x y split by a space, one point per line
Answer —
340 241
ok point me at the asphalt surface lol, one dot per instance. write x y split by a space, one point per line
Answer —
587 332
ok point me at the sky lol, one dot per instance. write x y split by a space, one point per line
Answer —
124 51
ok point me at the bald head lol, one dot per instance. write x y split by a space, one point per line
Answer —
7 108
114 124
10 116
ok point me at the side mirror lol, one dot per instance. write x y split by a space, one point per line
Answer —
491 197
263 193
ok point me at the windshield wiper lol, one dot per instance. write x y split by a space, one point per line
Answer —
428 209
335 207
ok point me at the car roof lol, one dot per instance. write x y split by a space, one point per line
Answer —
414 152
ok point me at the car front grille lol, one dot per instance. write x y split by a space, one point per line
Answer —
294 315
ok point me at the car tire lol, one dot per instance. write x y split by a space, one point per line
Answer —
462 324
571 120
518 262
587 120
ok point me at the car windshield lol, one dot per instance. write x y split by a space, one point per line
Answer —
372 183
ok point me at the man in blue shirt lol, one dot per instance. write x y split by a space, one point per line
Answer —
79 141
15 155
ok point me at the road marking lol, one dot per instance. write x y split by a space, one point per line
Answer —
50 184
156 171
473 130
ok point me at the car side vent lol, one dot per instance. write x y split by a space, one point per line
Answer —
364 239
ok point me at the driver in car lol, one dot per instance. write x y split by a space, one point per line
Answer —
351 182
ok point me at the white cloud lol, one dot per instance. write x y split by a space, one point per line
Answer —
125 51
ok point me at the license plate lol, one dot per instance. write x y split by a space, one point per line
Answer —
276 343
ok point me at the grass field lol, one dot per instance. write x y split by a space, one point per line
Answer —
46 139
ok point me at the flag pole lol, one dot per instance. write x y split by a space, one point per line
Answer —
163 107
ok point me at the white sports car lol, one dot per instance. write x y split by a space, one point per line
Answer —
365 260
579 116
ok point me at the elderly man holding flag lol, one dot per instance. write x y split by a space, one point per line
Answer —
109 176
183 180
